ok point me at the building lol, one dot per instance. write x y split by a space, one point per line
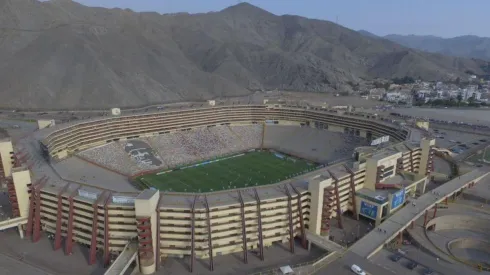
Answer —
377 93
470 93
373 185
397 97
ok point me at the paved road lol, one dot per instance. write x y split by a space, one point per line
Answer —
424 260
376 239
12 265
342 266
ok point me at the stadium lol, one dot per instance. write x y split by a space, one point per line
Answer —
208 181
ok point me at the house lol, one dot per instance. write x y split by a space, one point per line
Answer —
397 97
468 93
423 93
376 93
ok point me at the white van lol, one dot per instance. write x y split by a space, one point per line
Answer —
357 270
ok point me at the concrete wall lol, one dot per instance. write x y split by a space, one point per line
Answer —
63 141
6 152
467 243
426 146
44 123
317 187
22 178
464 222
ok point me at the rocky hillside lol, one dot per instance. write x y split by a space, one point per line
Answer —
464 46
60 54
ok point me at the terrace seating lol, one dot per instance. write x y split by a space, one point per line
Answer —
318 145
113 156
181 148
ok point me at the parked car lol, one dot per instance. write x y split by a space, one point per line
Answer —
395 258
428 271
412 265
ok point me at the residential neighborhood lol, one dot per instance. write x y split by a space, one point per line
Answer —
472 92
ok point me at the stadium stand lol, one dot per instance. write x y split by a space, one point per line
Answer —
318 145
251 136
112 156
179 148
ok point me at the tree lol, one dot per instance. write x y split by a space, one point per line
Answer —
403 80
459 98
378 84
387 86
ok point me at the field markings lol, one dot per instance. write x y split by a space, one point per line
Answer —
249 170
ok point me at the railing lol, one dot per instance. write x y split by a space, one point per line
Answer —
123 261
310 267
12 223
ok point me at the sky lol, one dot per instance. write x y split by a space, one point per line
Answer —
445 18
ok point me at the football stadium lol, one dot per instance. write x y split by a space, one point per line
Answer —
200 182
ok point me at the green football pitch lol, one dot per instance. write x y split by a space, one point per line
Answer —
249 169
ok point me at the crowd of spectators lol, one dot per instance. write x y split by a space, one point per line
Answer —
205 143
112 156
251 136
181 148
173 149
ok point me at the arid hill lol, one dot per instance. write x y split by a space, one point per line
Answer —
60 54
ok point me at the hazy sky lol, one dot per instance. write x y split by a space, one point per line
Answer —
446 18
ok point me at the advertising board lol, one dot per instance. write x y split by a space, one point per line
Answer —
369 210
398 199
122 200
380 140
87 195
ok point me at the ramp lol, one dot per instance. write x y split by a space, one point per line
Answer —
12 223
324 243
444 150
374 240
122 262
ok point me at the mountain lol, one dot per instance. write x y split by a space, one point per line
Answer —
461 46
367 34
60 54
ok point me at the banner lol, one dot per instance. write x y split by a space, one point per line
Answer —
369 210
398 199
380 140
87 195
122 200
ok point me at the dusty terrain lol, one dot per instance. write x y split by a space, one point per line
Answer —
60 54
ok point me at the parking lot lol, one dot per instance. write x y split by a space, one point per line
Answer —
413 260
402 264
458 140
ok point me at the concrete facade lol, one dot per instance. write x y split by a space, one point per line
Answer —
6 157
208 224
63 140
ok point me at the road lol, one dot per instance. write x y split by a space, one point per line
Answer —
424 260
375 239
343 265
12 265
